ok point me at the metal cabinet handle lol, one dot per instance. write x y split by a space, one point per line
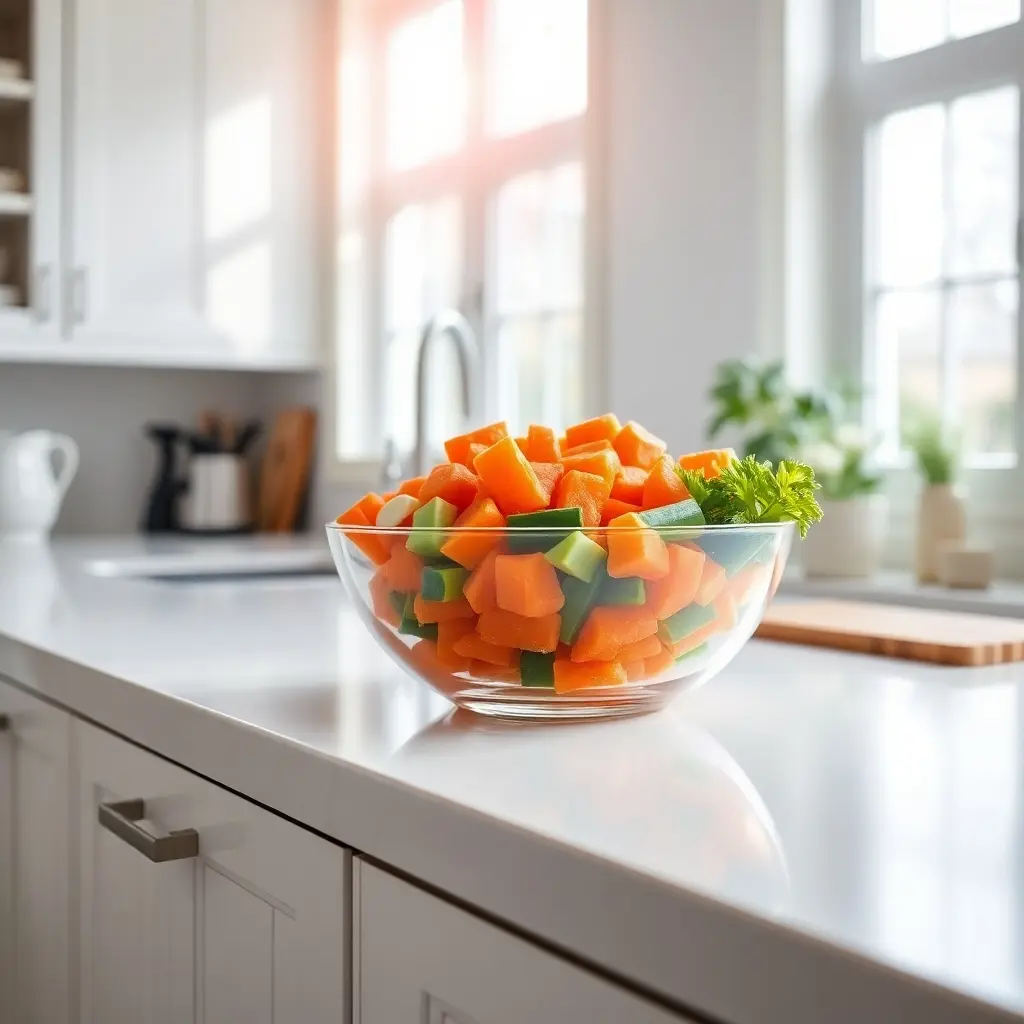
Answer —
120 818
41 298
78 294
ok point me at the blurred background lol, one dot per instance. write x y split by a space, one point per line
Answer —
792 225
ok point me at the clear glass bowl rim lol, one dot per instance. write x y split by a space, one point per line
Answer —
504 531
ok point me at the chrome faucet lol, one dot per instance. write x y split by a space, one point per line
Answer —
452 323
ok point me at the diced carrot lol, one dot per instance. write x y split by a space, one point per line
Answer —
710 463
658 663
475 646
676 590
663 485
404 569
475 448
387 496
607 629
542 445
712 580
641 649
638 447
604 464
524 445
447 634
380 589
634 549
441 611
572 675
457 448
479 589
613 508
600 428
548 473
725 611
629 485
370 504
604 445
584 491
454 483
527 585
509 478
368 543
469 547
747 580
694 640
413 486
494 673
506 629
635 671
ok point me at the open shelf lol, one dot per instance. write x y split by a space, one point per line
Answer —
15 90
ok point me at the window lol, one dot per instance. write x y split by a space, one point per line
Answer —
461 184
941 200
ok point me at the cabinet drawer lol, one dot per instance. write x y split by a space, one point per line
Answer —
420 959
245 920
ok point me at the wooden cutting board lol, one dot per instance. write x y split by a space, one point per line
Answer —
287 464
946 638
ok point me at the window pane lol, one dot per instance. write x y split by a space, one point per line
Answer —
426 87
908 226
423 274
969 17
538 63
898 27
565 342
538 245
908 360
983 336
984 182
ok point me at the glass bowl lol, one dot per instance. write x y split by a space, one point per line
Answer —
525 635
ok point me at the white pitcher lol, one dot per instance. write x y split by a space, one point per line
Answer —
31 489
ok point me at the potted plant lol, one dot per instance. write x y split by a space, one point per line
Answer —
850 538
812 426
941 514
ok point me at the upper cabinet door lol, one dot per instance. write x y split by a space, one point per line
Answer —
195 176
420 960
133 274
250 926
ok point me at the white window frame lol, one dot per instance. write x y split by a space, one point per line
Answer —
866 91
505 158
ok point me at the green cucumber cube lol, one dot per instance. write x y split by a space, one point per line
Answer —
430 521
627 590
580 597
442 584
411 626
525 529
733 549
397 601
679 626
577 555
695 653
682 513
537 669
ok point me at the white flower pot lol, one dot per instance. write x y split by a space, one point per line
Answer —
849 539
941 517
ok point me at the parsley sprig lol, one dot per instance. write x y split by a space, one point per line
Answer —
748 491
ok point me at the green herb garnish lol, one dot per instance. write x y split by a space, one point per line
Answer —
748 491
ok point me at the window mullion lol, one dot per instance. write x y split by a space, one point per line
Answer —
949 387
1020 269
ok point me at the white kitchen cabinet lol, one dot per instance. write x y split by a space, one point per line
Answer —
35 861
250 927
420 960
194 178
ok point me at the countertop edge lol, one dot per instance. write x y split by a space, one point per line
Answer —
697 954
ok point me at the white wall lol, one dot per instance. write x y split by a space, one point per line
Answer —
105 410
690 186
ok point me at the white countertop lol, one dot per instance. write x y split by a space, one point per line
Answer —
811 837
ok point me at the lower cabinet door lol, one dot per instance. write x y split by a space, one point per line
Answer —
420 960
35 861
197 905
